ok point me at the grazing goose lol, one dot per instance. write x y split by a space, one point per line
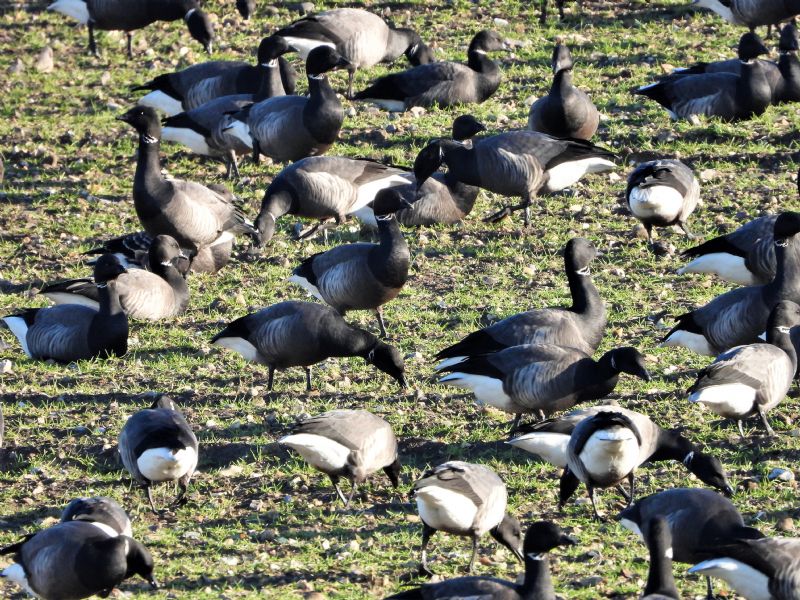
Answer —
752 379
438 200
361 276
76 560
103 512
660 578
566 111
157 294
72 332
157 444
542 378
301 334
580 326
661 193
129 15
363 38
752 13
441 83
195 215
352 444
740 316
541 537
468 500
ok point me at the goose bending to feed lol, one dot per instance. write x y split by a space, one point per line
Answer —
88 561
468 500
352 444
288 128
441 83
661 193
70 332
157 444
752 379
157 294
752 13
362 37
541 538
580 326
301 334
129 15
195 215
740 316
104 512
565 111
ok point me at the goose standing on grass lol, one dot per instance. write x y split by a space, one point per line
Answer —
157 444
361 276
72 332
352 444
740 316
157 294
301 334
441 83
752 13
788 88
76 560
289 128
660 578
362 37
541 538
752 379
129 15
661 193
580 326
565 111
102 512
468 500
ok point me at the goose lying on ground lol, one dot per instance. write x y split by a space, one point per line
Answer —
752 13
104 512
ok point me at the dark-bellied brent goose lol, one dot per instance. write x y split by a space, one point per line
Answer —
104 512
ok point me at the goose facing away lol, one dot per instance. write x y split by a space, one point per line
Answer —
72 332
157 444
347 443
104 512
301 334
468 500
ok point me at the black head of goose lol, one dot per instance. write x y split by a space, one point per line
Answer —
465 499
157 444
565 111
788 87
194 214
89 561
103 512
347 443
441 83
246 8
580 326
661 193
301 334
660 578
740 316
361 276
71 332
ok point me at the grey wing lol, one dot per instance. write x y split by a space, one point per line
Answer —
509 171
362 35
418 80
208 89
126 446
761 260
49 551
475 482
734 318
183 80
748 234
688 181
543 326
117 15
705 94
276 340
547 381
144 295
456 89
61 333
357 430
205 213
274 123
347 284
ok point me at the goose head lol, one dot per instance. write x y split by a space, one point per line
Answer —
466 127
323 59
107 268
509 533
143 119
788 41
787 225
428 161
708 469
418 52
164 251
200 28
164 401
388 201
386 358
562 59
271 48
246 8
627 360
544 536
487 41
578 255
751 47
140 562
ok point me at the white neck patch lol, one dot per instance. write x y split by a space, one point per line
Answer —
189 14
583 271
272 63
149 139
480 52
317 77
101 286
687 460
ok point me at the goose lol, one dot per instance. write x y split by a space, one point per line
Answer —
441 83
565 111
752 379
514 163
541 538
739 316
352 444
660 578
152 295
103 512
468 500
361 276
71 332
752 13
301 334
580 326
542 378
363 38
550 439
246 8
193 214
157 444
437 201
89 562
661 193
543 12
129 15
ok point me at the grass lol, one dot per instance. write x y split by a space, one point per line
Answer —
260 522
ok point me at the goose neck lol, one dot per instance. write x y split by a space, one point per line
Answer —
148 164
562 82
537 584
779 336
786 284
479 61
271 84
109 298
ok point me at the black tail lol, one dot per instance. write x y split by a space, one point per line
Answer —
477 342
685 322
713 246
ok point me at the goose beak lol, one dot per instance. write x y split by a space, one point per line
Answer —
209 48
123 118
518 553
153 583
568 540
644 374
402 381
728 491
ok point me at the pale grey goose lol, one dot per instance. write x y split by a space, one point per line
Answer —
660 578
752 13
157 444
301 334
465 499
347 443
72 332
104 512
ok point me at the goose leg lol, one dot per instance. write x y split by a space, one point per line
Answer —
271 378
183 485
709 589
256 151
92 43
381 324
335 481
308 379
350 496
427 533
233 166
597 515
474 553
351 73
130 41
624 494
686 230
504 212
149 491
632 483
561 9
321 226
741 429
515 422
543 13
567 486
763 416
